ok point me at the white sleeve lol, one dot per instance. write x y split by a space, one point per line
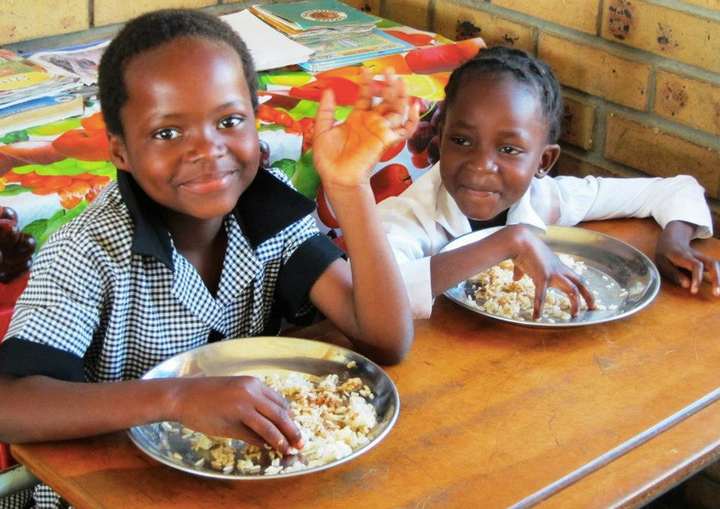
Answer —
678 198
411 245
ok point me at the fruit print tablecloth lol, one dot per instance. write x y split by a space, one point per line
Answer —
49 173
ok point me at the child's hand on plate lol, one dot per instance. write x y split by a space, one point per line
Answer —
543 266
238 407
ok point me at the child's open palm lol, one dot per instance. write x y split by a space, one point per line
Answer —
345 154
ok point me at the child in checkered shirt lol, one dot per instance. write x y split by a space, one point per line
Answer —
196 242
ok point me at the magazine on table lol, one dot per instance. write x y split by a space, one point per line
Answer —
311 18
39 111
22 80
334 53
79 61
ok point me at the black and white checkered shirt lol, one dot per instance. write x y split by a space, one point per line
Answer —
109 297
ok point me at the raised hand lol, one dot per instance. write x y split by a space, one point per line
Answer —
682 264
345 154
238 407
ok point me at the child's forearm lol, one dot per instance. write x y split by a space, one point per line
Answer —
38 408
382 311
452 267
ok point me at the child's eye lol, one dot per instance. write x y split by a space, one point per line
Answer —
458 140
167 133
230 121
509 150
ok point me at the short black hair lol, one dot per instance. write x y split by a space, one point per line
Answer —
150 31
536 74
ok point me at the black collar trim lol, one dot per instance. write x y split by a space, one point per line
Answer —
265 208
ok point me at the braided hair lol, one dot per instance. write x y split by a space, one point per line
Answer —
504 60
150 31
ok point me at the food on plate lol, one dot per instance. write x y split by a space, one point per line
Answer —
334 418
495 292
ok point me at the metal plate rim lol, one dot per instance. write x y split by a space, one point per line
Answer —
137 438
648 296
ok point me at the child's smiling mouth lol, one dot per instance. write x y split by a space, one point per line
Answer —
477 191
211 182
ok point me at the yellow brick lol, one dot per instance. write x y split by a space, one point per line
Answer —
661 154
461 22
570 164
413 13
369 6
707 4
578 14
671 33
578 123
596 72
108 12
689 101
23 20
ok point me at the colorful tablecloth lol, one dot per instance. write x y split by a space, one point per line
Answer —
50 173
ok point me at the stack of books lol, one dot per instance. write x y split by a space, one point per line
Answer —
32 95
337 34
315 20
350 50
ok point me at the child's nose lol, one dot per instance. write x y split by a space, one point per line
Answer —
207 145
484 162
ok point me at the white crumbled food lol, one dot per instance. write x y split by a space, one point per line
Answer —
334 420
496 293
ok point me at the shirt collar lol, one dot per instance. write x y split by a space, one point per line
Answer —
522 212
450 217
265 208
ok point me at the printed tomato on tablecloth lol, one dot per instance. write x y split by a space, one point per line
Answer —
66 161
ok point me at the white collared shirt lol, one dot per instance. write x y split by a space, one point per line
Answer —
425 217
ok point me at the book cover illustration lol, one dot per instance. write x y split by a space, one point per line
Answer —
17 73
39 111
315 14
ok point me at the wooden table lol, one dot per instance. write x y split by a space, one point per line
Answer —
492 415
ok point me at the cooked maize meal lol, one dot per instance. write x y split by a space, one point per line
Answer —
495 292
334 419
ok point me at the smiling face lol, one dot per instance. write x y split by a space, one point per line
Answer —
189 138
494 141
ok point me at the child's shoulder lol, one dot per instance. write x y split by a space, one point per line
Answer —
104 223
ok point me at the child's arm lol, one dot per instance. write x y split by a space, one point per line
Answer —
529 254
38 408
675 258
677 204
366 300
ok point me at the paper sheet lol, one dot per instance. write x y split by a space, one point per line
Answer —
269 48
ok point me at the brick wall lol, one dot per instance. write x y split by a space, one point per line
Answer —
641 78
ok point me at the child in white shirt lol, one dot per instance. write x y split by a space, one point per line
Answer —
499 132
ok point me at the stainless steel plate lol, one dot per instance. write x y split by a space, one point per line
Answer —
613 266
260 356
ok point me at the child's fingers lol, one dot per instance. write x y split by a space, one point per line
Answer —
407 130
539 300
275 425
365 96
714 271
274 396
325 118
584 289
711 272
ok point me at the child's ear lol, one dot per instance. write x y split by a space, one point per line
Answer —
547 161
118 152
